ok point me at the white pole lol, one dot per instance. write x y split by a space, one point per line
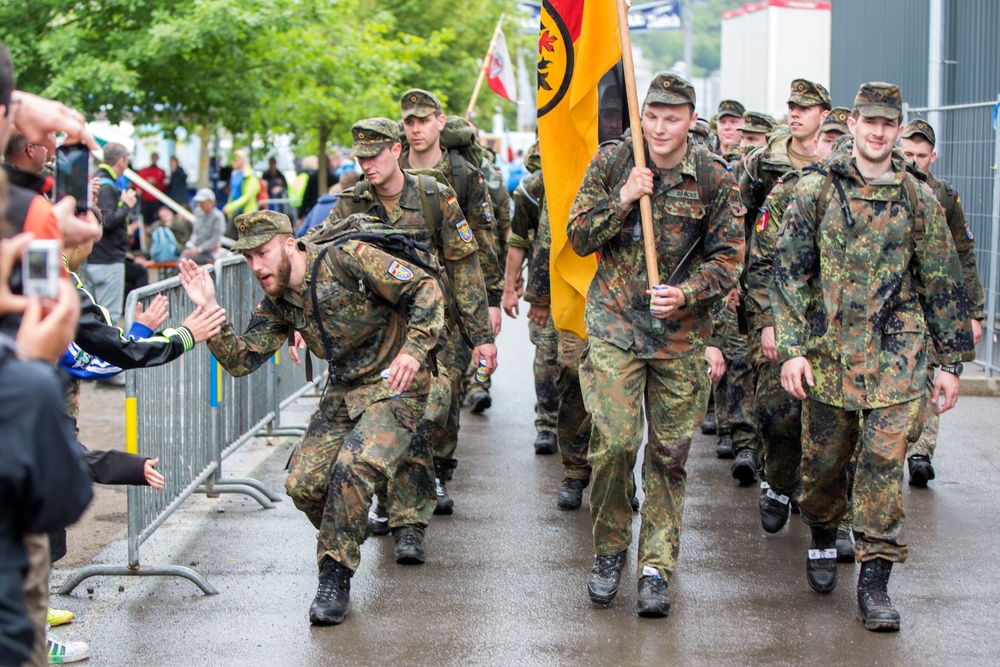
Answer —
153 190
935 66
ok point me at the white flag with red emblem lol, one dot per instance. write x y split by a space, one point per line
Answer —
501 76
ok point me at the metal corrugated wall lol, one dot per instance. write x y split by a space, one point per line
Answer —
972 51
879 40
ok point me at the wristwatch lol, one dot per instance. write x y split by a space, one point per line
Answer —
954 369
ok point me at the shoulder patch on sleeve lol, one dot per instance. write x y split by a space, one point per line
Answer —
399 272
763 217
487 213
464 231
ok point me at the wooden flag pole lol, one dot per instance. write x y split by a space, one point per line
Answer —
639 151
485 68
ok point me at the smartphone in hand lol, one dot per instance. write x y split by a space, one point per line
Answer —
73 175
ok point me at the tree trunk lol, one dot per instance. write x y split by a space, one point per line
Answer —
324 136
203 159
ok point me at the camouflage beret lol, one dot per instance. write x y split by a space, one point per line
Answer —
836 121
419 103
921 127
809 94
879 100
668 88
731 108
755 121
257 228
372 135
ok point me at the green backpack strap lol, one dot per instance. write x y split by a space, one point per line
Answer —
430 202
918 212
459 174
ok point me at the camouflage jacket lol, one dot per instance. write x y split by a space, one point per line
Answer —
857 298
366 331
965 244
455 244
760 251
761 170
531 219
617 304
478 210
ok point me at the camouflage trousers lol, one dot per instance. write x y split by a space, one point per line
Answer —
734 393
337 465
573 420
927 443
778 416
452 361
546 370
828 437
615 384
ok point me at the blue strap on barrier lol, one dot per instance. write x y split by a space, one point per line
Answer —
214 392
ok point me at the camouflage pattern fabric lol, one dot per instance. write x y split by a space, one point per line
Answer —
337 465
856 298
574 422
735 410
760 173
828 437
478 211
546 372
615 383
456 254
360 433
617 304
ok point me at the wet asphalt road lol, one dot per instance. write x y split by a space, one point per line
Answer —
505 578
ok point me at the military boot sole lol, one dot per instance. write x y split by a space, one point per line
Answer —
568 504
879 624
652 608
410 557
602 598
326 617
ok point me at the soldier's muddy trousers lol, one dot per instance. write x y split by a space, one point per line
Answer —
828 437
615 384
574 422
927 443
337 465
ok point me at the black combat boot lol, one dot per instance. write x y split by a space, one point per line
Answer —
479 400
845 546
709 425
654 599
605 577
408 549
745 467
921 470
774 509
874 606
445 505
329 607
378 521
724 450
546 443
571 493
821 563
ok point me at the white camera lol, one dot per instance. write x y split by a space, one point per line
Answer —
41 268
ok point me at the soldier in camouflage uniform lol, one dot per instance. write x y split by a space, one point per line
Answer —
423 121
407 201
808 104
628 364
860 279
778 414
727 128
918 141
529 204
364 424
753 132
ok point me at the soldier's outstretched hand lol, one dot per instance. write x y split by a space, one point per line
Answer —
949 385
639 183
197 283
205 322
792 372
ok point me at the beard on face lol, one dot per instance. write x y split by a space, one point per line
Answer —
282 274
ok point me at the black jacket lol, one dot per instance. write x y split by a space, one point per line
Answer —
113 245
44 485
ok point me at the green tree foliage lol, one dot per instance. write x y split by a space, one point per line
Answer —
666 48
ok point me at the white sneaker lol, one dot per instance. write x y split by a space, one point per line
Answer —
62 652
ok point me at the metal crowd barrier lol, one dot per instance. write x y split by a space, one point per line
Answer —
191 415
